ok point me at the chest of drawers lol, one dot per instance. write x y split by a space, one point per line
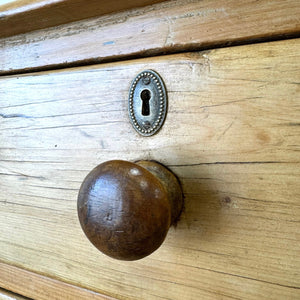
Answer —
231 135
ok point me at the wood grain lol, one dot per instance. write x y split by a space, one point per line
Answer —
231 135
6 295
171 26
27 15
40 287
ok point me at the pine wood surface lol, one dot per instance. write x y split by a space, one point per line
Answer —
22 16
231 135
6 295
170 26
41 287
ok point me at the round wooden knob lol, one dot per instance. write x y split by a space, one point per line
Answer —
125 209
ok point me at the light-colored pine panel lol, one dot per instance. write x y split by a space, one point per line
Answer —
6 295
232 135
22 16
165 27
40 287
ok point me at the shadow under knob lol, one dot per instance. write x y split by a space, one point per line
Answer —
125 209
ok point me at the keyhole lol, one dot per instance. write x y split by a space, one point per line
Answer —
145 96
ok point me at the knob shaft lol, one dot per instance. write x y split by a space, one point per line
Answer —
125 209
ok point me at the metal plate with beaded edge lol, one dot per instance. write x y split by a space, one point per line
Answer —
147 104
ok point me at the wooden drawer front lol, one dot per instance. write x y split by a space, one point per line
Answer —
231 135
170 26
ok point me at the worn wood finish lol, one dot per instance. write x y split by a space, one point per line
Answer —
232 137
40 287
27 15
170 26
6 295
125 208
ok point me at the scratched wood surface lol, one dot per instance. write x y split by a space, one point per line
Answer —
232 135
22 16
40 287
170 26
6 295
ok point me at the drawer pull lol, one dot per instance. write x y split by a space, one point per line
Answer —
125 209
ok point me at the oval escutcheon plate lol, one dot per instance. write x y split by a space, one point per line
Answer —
147 104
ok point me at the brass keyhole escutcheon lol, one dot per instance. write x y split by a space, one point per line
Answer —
147 104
